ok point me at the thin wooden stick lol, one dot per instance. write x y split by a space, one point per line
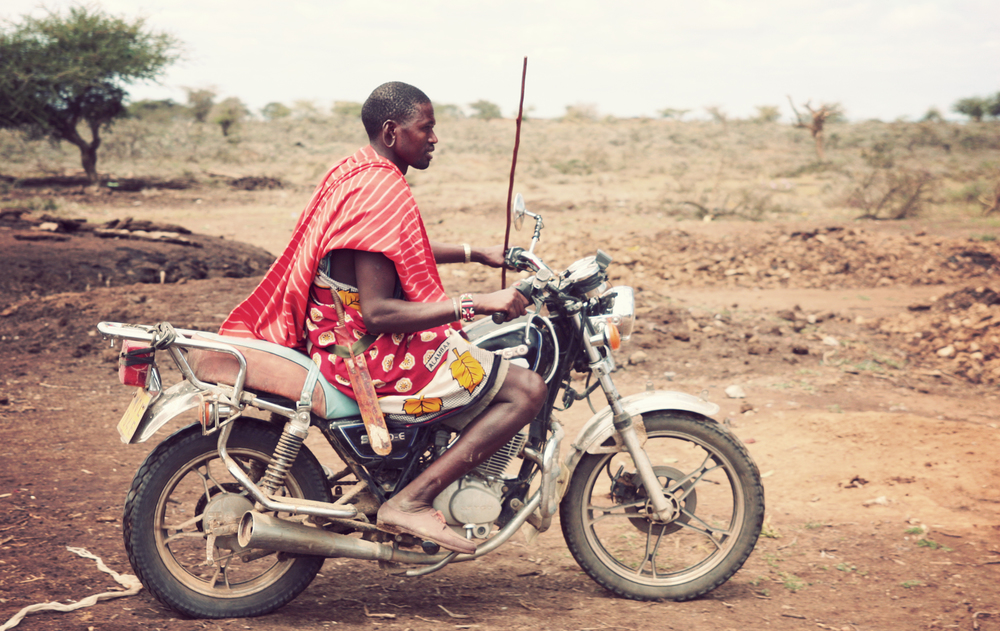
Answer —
513 166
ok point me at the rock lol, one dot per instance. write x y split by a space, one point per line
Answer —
638 357
878 501
800 350
829 340
947 351
786 314
746 406
735 392
669 375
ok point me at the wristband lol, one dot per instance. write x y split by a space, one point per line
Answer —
468 253
468 312
458 313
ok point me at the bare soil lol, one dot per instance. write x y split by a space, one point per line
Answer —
879 448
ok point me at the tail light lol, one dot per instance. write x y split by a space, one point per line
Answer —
134 362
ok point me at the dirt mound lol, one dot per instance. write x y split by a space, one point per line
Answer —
832 257
130 185
43 255
957 334
255 183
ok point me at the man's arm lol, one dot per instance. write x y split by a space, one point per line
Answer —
382 313
452 253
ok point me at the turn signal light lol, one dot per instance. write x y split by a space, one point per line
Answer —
614 337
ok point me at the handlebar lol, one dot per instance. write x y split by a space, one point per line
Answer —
524 286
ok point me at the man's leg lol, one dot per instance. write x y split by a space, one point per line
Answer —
514 406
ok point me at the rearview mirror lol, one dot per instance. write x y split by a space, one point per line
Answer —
519 210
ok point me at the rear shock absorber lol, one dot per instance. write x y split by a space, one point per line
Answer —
285 453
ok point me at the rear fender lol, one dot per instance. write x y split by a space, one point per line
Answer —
172 402
600 427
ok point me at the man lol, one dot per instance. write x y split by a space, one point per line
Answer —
361 241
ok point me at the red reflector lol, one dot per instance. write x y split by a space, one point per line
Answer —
134 361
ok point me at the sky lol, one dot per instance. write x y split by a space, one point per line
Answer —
884 59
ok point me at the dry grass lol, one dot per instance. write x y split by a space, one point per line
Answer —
658 167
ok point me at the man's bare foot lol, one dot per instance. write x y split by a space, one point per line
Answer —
425 523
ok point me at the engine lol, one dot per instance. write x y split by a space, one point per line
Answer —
475 499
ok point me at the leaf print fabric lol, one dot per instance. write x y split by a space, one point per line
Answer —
418 378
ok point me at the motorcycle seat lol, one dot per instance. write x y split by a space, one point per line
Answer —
273 369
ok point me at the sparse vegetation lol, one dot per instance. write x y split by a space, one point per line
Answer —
485 110
228 114
61 74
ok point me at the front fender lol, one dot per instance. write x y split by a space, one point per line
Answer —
600 427
173 401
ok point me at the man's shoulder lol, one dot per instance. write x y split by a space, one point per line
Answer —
366 160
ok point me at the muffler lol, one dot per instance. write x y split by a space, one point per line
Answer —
260 530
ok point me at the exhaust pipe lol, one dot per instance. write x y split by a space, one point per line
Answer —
259 530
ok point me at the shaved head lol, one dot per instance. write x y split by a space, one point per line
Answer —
396 101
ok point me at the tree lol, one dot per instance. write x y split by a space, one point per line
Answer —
485 110
448 110
671 112
974 107
767 114
274 110
818 118
59 72
346 109
200 102
228 113
717 113
993 107
932 115
306 109
581 112
156 111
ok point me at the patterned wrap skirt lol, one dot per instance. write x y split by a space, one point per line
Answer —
422 377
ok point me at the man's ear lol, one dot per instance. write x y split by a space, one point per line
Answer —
388 133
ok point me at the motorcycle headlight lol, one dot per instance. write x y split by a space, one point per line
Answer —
621 314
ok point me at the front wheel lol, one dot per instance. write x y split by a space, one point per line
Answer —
180 509
716 499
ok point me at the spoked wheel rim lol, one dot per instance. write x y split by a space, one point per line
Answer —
182 534
700 483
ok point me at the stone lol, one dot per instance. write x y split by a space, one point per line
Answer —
735 392
638 357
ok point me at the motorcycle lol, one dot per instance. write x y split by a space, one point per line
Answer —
233 516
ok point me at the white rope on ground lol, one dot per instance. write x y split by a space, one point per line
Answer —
129 582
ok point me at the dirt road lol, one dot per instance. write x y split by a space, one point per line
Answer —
881 475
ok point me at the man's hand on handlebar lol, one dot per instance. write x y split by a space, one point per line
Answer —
509 302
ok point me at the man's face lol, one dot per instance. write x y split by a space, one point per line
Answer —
415 139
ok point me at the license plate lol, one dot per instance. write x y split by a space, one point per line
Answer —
134 413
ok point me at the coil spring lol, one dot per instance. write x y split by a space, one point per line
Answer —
281 461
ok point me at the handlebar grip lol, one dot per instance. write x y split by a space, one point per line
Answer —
524 286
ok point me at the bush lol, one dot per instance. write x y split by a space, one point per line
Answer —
274 111
229 113
346 109
485 110
886 191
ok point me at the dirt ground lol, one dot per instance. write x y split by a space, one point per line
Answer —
878 446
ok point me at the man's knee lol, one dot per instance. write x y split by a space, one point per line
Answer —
531 388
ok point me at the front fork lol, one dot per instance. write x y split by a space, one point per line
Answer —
622 420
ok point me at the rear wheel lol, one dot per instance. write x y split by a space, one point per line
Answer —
717 505
179 513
